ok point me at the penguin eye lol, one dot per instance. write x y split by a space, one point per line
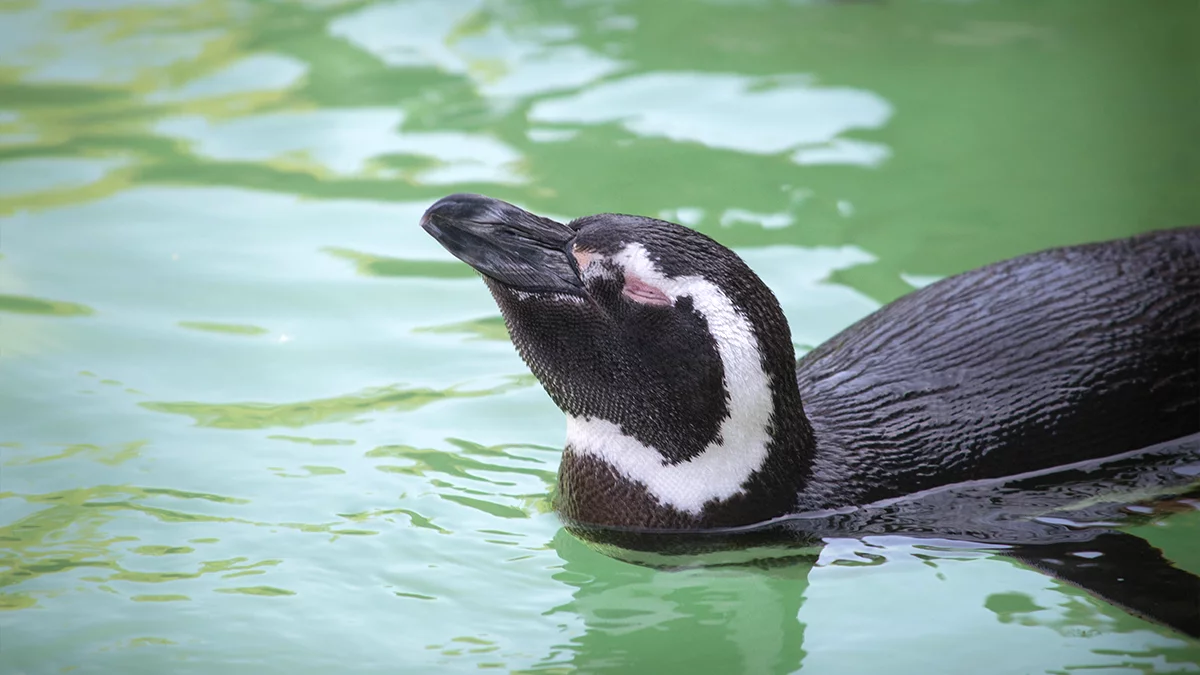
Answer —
599 269
639 291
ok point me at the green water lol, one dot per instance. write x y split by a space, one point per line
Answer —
253 419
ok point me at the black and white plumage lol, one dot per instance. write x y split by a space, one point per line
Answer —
979 408
687 409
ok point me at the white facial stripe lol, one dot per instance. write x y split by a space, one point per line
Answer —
721 469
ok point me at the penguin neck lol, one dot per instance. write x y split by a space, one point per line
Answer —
752 470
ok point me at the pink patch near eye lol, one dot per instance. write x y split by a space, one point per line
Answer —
640 291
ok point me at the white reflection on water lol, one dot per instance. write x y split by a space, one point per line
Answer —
344 141
41 174
773 114
500 62
932 601
815 307
253 74
35 39
843 151
770 221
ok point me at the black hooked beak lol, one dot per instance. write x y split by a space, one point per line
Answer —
505 243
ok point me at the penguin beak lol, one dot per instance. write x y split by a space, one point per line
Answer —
506 244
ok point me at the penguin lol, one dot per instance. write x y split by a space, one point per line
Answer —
1003 405
687 409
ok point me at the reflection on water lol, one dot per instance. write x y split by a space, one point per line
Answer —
348 142
16 303
486 328
830 616
157 544
210 211
107 455
384 266
776 115
226 328
715 620
305 413
24 176
502 52
67 534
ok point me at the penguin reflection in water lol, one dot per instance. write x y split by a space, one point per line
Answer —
988 407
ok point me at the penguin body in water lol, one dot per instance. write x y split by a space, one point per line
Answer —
687 410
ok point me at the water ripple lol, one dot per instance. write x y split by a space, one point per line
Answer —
305 413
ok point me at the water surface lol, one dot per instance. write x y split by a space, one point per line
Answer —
253 419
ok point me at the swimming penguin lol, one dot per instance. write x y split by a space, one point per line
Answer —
1036 403
686 408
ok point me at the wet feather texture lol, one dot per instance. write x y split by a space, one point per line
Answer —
692 411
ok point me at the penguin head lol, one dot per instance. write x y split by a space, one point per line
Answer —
670 357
